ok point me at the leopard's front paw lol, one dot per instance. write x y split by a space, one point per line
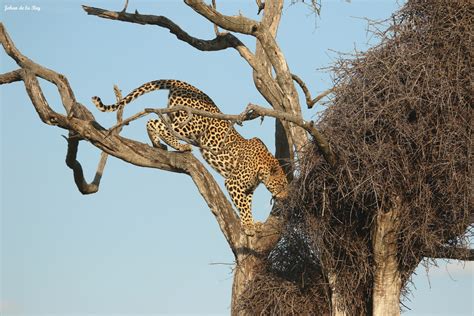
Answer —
251 228
258 226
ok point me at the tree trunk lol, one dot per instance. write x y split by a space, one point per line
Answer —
245 272
250 254
387 280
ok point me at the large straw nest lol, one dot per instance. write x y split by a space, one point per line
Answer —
400 124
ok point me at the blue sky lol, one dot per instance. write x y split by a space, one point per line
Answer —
146 242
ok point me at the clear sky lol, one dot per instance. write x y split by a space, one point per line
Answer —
146 242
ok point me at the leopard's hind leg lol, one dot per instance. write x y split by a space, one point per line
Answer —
157 130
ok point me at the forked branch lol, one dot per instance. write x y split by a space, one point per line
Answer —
309 101
220 42
260 31
75 165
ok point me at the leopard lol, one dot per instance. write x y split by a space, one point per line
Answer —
243 163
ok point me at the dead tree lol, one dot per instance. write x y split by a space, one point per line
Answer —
279 90
278 85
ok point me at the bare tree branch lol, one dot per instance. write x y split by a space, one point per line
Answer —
239 24
309 101
220 42
11 76
216 28
260 5
227 117
71 162
118 98
125 6
451 253
263 77
271 91
67 96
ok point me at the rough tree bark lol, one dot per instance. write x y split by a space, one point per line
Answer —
387 279
274 80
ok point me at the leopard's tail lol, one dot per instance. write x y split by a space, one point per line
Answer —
144 88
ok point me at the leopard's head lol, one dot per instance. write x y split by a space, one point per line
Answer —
276 181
